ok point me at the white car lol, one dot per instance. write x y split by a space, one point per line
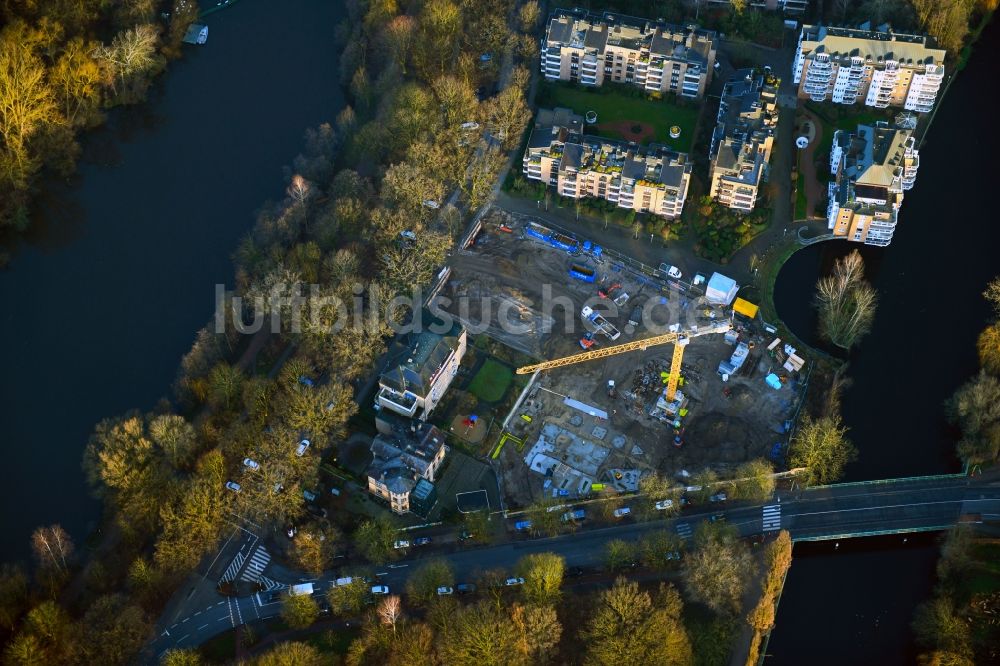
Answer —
399 545
511 582
380 589
303 445
444 591
232 485
663 505
469 126
430 203
622 512
250 463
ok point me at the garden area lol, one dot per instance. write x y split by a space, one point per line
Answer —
835 117
718 230
625 113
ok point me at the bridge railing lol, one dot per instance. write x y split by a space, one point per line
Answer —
872 533
885 482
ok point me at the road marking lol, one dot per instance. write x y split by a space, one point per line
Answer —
165 633
229 603
185 620
202 627
258 562
887 506
197 614
182 638
222 619
771 518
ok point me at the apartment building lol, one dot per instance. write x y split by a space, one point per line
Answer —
743 138
873 167
647 179
406 456
422 366
657 57
878 68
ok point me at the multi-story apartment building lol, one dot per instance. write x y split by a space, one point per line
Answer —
877 68
647 179
406 456
658 57
743 138
873 167
422 367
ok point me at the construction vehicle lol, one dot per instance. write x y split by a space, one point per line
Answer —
610 291
679 339
601 325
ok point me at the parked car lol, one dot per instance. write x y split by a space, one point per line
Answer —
671 271
717 497
511 582
303 445
380 589
309 495
421 541
465 588
232 485
622 512
663 505
305 381
522 525
250 463
674 555
402 543
444 591
465 535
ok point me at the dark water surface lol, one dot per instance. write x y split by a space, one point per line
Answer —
101 302
854 605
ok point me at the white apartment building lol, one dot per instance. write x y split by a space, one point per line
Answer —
878 68
873 167
647 179
657 57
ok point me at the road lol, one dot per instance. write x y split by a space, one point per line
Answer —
833 512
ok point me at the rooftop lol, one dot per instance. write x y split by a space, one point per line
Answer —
417 356
403 456
876 45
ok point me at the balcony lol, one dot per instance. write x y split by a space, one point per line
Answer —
405 404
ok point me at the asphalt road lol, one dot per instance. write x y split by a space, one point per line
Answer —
836 512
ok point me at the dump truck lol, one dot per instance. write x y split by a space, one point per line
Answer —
601 325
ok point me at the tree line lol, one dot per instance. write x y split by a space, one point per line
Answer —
358 183
63 64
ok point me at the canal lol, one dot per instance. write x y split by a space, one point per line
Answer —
104 297
853 604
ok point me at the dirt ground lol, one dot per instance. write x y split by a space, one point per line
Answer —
512 277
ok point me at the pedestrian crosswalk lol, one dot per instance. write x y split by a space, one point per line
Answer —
684 530
267 584
255 567
234 568
772 518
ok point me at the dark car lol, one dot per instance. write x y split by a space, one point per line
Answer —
465 588
575 571
421 541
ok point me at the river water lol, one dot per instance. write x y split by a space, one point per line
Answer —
853 604
103 299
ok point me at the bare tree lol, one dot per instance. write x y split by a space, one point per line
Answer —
53 547
390 611
846 302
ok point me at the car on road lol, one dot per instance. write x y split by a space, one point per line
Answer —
232 485
663 505
718 497
522 525
465 588
445 590
671 271
465 535
301 449
380 589
511 582
717 517
686 501
622 512
401 544
251 464
421 541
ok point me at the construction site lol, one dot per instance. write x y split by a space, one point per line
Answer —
639 370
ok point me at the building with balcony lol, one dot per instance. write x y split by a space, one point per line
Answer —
592 49
873 167
647 179
743 138
421 367
879 68
406 455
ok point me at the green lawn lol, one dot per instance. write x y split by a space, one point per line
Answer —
801 203
847 118
492 381
613 106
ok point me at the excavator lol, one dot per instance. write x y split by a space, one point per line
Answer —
679 339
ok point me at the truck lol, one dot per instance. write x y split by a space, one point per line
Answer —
302 589
601 324
581 272
574 515
636 317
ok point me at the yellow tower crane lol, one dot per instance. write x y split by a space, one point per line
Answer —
679 339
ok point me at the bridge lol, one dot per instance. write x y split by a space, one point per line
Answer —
842 511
